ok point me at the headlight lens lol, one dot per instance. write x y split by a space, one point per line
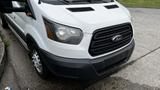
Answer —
62 33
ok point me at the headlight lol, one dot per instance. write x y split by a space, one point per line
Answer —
63 33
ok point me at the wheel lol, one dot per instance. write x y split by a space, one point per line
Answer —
38 64
4 23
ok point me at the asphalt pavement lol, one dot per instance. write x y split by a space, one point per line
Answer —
142 72
2 57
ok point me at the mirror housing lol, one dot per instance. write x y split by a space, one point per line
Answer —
6 6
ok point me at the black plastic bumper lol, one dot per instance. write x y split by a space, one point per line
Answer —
86 68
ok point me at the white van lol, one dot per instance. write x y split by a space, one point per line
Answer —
80 39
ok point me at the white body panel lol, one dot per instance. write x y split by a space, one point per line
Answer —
88 22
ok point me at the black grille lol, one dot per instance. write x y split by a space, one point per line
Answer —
102 40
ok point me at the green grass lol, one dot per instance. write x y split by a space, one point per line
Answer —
6 42
141 3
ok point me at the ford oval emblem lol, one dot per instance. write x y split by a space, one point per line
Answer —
117 38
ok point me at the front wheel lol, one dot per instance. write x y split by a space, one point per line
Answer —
38 64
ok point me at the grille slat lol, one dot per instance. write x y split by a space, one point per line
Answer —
107 35
102 39
109 44
110 35
108 49
110 30
107 41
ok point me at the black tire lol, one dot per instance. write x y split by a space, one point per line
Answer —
44 73
4 23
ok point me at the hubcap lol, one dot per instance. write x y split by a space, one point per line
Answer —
36 61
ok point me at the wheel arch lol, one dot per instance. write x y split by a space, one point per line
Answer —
30 41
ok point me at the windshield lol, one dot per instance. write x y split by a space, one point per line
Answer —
65 2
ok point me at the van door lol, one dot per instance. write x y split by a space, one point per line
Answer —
21 20
16 22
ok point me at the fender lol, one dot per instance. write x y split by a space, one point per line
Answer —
36 40
30 39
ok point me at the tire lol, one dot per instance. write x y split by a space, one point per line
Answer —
4 23
38 64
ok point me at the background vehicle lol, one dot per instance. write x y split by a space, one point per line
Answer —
78 39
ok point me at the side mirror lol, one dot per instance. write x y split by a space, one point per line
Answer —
6 6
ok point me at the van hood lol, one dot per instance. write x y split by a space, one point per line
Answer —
86 17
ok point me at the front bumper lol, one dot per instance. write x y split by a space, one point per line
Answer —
87 68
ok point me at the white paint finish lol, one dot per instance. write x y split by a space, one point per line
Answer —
88 22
